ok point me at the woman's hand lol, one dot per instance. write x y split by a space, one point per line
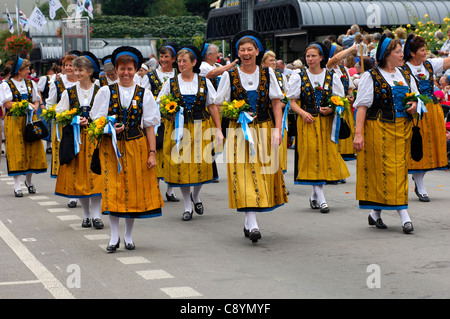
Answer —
151 161
219 136
307 117
276 137
84 121
358 142
119 127
325 110
413 107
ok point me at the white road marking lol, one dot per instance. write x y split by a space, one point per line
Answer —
44 276
181 292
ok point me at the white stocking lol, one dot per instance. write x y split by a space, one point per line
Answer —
129 223
96 206
250 221
17 186
318 189
186 192
418 179
85 203
404 216
114 225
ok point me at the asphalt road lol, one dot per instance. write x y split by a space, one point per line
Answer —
45 254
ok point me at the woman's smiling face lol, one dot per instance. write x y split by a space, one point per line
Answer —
248 53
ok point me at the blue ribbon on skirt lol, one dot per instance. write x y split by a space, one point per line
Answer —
244 119
179 126
285 125
336 124
110 129
76 133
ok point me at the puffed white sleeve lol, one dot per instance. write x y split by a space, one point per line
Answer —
36 95
63 104
274 88
7 94
224 90
364 96
338 87
101 103
150 111
294 87
211 98
41 83
165 90
52 95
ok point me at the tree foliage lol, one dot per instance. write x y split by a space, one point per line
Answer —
158 27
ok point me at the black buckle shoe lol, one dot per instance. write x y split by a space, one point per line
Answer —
187 216
408 227
198 207
31 189
86 223
314 204
172 198
18 193
97 222
254 235
422 197
324 208
112 248
72 204
377 223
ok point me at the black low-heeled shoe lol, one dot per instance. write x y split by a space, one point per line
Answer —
246 232
112 248
314 204
187 216
254 235
72 204
408 227
97 222
422 197
129 246
86 223
377 223
198 207
172 198
18 193
31 189
324 208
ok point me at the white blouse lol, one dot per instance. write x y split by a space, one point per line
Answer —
295 84
365 86
22 88
437 64
52 93
249 82
189 88
150 111
84 97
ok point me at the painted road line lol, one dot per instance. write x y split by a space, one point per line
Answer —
181 292
56 289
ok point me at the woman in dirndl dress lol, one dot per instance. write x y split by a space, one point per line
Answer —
127 156
188 161
255 179
157 78
432 122
317 158
75 179
269 60
22 158
383 136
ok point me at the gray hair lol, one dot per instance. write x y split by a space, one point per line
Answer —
212 48
83 62
108 67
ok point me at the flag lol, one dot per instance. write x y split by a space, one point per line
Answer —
88 8
80 8
37 19
23 21
54 5
10 21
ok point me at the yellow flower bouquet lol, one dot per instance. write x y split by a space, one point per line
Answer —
49 114
168 106
231 110
66 117
19 108
336 100
95 129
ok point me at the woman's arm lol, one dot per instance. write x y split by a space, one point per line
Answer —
358 142
150 133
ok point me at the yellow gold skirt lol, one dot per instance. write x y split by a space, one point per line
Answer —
345 146
434 141
193 165
317 159
134 192
55 150
22 157
75 179
382 166
255 181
